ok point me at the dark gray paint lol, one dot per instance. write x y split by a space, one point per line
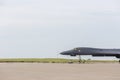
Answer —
92 51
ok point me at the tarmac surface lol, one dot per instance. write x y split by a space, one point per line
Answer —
49 71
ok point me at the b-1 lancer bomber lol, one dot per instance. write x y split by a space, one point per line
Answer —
93 51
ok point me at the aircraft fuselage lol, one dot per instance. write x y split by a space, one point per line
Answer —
92 51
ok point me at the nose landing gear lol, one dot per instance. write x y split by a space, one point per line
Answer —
80 59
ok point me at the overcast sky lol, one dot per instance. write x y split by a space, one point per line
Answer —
44 28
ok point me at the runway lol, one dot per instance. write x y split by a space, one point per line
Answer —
54 71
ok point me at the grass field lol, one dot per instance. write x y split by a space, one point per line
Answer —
53 60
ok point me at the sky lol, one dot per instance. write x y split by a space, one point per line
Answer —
44 28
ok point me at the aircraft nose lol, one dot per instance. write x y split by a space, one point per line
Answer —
62 53
65 53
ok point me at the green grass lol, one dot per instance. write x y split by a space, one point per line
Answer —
52 60
39 60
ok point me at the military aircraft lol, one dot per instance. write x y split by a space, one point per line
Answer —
95 52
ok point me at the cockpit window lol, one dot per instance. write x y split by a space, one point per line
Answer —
76 48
